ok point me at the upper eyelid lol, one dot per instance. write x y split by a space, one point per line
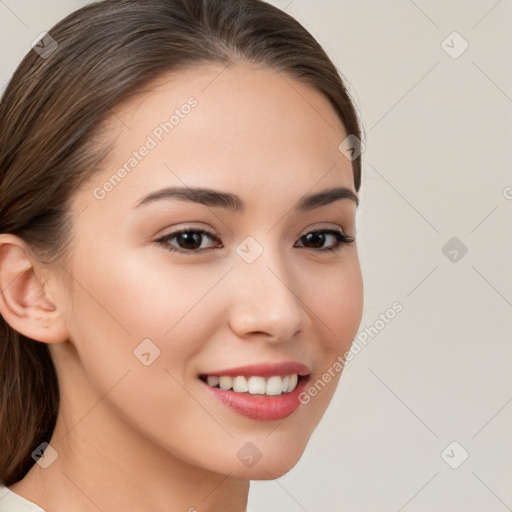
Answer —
316 227
213 234
179 231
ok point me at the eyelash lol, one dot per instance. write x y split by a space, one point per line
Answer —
341 239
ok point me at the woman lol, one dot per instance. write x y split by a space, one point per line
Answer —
178 262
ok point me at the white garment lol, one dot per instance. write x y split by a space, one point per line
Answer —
12 502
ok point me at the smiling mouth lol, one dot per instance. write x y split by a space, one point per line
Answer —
274 385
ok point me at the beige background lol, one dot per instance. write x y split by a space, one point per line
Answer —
437 165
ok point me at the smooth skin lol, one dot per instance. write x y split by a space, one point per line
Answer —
150 438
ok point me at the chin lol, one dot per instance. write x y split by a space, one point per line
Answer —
271 473
270 466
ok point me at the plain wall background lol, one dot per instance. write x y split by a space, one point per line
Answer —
437 165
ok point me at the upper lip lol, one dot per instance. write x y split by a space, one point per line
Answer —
264 370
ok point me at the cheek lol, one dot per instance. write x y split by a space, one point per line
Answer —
174 304
338 305
127 299
117 309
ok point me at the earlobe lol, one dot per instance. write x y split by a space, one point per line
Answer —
25 302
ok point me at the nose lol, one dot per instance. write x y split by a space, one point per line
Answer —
266 301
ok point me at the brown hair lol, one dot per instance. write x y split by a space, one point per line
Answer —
51 141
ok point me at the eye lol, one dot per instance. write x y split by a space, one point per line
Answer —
317 238
189 241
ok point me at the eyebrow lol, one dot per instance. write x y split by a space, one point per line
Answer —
218 199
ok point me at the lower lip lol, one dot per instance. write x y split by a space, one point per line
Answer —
260 407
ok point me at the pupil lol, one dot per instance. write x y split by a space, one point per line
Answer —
316 238
190 237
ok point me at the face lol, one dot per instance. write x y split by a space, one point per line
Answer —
178 297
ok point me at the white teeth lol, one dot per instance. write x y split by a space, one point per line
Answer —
213 381
272 386
240 385
285 383
256 385
292 383
225 383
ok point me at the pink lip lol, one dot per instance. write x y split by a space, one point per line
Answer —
264 370
260 407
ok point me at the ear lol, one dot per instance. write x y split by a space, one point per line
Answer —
26 302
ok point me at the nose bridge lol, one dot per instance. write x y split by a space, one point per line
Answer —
265 299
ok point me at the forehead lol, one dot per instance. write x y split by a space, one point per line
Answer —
238 128
221 89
